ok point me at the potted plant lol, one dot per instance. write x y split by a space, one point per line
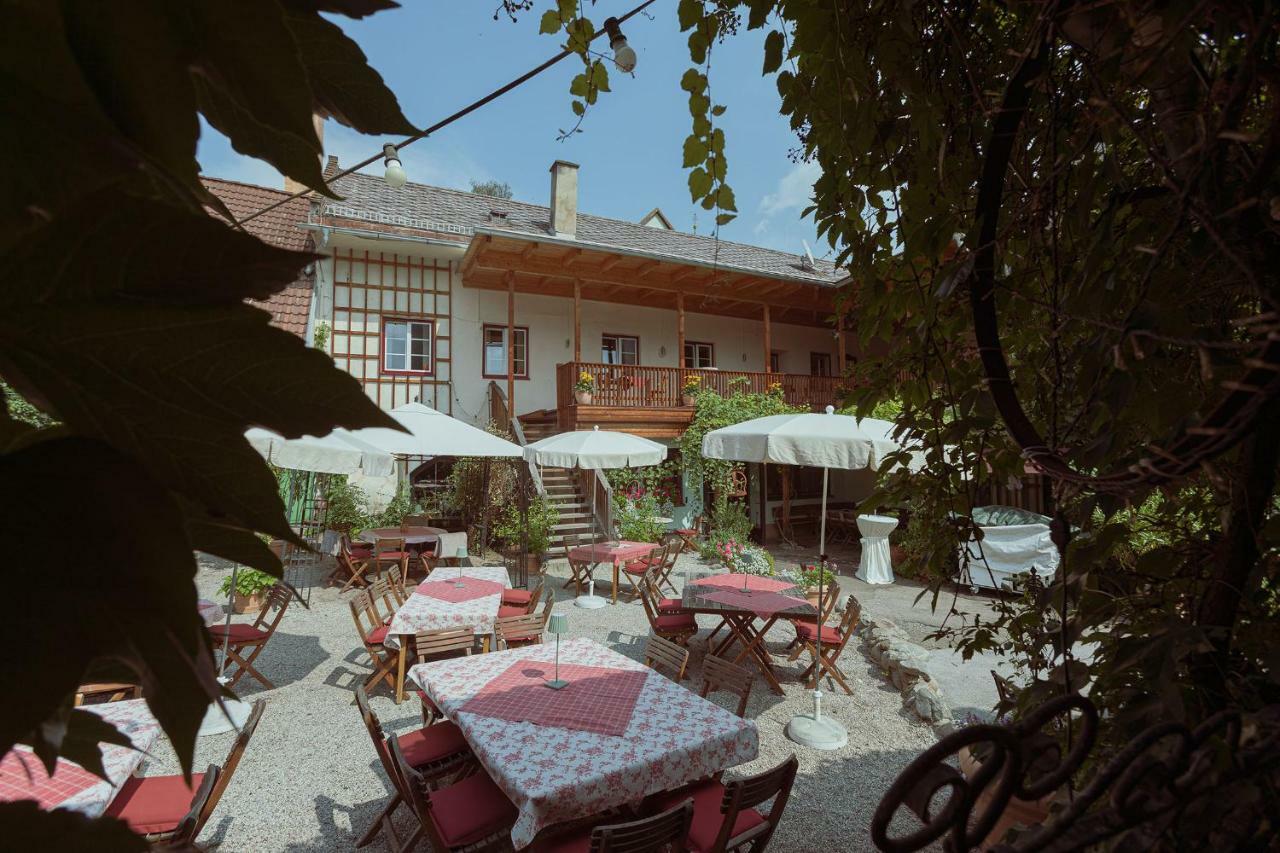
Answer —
536 532
808 578
688 391
251 589
584 388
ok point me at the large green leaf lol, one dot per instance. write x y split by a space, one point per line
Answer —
121 587
177 387
132 254
25 826
342 82
350 8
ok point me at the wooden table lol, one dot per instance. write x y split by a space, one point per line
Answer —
71 786
616 553
425 613
412 535
769 599
665 737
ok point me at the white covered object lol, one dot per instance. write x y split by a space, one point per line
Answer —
339 452
1009 550
595 448
875 566
433 433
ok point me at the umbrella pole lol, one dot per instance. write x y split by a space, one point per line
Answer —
226 638
822 573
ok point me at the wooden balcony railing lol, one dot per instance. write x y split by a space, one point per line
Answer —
638 386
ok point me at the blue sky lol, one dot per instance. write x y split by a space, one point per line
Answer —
438 57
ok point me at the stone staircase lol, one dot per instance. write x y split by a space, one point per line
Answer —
574 508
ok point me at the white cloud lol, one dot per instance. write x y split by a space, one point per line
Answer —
794 192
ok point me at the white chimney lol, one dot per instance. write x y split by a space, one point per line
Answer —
564 199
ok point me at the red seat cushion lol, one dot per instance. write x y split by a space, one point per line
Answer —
379 634
707 817
636 567
154 803
511 611
670 605
238 632
809 631
471 810
433 743
522 638
517 597
677 622
687 531
393 555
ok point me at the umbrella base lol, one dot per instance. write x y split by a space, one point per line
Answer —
217 722
590 602
817 732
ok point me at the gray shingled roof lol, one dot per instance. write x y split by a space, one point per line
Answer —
429 208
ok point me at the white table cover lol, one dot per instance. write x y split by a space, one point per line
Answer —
424 613
876 565
554 774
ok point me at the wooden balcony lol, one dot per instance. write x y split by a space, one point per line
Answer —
647 400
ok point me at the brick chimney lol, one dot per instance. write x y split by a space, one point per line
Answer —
564 199
290 185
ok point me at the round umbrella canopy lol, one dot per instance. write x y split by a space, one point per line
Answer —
814 440
339 452
433 433
595 448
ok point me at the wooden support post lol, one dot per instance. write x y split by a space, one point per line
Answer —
840 352
511 339
577 319
768 344
680 329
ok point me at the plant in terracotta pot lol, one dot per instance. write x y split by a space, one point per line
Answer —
541 518
251 589
808 578
689 391
584 389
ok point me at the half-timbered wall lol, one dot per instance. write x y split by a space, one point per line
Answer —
371 287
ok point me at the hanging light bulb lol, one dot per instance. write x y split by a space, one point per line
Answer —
395 176
623 55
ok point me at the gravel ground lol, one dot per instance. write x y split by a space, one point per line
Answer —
310 779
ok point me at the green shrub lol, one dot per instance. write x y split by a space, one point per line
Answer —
637 519
346 504
542 516
248 582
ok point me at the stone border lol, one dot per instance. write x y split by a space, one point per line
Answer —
890 648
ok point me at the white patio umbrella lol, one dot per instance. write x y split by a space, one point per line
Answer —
339 452
823 441
594 448
433 433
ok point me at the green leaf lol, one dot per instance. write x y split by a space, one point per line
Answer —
580 85
230 542
600 76
579 108
695 151
718 110
699 183
128 597
26 826
693 80
725 218
689 13
550 22
773 45
344 85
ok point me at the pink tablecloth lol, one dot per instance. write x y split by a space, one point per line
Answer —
763 604
754 582
71 786
425 613
554 774
458 590
616 552
596 698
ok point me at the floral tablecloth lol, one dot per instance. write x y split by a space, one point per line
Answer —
427 613
555 774
22 776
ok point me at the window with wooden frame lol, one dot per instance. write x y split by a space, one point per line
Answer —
819 364
699 354
619 349
775 362
494 355
407 345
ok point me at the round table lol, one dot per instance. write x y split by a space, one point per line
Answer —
413 535
875 566
210 611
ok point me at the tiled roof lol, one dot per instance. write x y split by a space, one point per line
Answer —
281 227
455 212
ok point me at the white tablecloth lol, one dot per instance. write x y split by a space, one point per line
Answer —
424 613
876 566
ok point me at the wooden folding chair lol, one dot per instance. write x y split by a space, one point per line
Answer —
665 605
806 625
525 599
373 635
436 751
720 809
675 547
660 654
240 637
663 832
396 579
676 627
444 643
719 674
522 630
479 813
352 564
383 595
147 803
635 571
579 570
188 829
391 551
833 642
111 691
